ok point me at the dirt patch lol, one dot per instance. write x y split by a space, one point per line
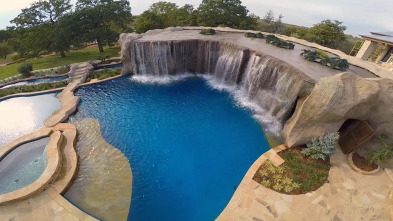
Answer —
362 163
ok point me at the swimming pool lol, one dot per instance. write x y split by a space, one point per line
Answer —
24 165
37 81
189 145
22 115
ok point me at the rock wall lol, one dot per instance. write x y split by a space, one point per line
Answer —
271 83
336 99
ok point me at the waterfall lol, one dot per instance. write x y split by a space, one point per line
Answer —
267 82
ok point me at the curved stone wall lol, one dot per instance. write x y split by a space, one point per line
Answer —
50 172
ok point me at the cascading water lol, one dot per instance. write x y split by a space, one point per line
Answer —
267 85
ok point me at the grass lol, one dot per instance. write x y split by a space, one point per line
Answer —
100 75
86 54
31 88
297 175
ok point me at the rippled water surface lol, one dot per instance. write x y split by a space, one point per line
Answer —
23 115
189 145
24 165
38 81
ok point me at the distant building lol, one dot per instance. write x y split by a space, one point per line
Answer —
370 44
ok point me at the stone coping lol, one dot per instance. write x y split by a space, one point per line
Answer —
69 207
269 155
372 67
43 132
68 102
50 172
69 165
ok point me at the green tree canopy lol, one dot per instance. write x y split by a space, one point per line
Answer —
148 21
229 13
328 32
271 24
5 50
171 15
101 20
37 27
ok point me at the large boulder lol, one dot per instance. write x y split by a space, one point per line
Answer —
336 99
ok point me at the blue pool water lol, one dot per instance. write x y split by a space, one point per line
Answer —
24 165
37 81
23 115
189 145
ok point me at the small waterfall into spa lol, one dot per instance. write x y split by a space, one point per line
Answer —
268 84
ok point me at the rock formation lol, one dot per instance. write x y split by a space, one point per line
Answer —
336 99
270 83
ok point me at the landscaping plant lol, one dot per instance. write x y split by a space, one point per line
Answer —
297 175
335 63
271 39
25 69
310 55
208 31
31 88
378 156
321 148
253 35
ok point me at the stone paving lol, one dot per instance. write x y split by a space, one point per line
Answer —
347 196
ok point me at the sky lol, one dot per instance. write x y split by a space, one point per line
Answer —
360 16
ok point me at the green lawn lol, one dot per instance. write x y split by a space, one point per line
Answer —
85 54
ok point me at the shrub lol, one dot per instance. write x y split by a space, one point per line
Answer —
25 69
103 58
271 39
253 35
377 157
336 63
310 55
208 31
321 54
322 147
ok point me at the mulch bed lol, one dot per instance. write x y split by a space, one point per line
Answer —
362 164
310 174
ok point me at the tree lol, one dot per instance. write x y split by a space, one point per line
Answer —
5 50
101 20
37 26
148 21
166 11
229 13
271 24
171 15
328 33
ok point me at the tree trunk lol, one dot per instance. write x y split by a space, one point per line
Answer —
62 54
100 46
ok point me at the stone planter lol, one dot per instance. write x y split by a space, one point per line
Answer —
355 168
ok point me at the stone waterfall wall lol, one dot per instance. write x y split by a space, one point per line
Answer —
273 84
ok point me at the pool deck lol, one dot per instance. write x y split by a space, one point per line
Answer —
359 66
348 195
42 200
313 70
